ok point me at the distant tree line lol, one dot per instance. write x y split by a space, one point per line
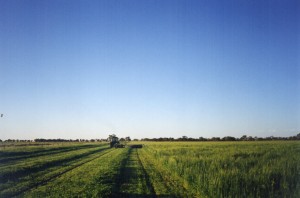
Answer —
226 138
54 140
183 138
17 140
68 140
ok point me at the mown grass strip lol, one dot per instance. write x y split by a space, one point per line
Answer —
56 173
97 178
46 173
14 157
16 171
134 181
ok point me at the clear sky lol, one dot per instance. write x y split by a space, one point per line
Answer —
147 68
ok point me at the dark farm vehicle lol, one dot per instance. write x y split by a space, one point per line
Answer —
114 142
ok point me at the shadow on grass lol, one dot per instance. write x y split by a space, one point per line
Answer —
129 174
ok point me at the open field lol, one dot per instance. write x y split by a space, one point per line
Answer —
159 169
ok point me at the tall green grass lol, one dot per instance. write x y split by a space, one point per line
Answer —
242 169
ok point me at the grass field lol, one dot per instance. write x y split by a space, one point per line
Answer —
159 169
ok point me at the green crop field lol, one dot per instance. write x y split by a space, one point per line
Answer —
159 169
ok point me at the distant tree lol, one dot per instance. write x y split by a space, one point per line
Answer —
112 137
135 139
250 138
215 139
184 137
202 139
122 139
128 138
244 137
228 138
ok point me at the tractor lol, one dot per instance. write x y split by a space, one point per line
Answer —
114 142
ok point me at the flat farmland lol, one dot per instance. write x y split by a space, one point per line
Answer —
159 169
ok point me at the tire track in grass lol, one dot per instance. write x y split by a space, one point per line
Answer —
54 176
164 185
133 179
159 185
147 179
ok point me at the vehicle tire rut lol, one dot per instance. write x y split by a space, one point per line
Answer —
133 180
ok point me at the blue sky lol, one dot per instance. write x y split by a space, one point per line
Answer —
86 69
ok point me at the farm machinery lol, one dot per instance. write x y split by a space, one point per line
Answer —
115 143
